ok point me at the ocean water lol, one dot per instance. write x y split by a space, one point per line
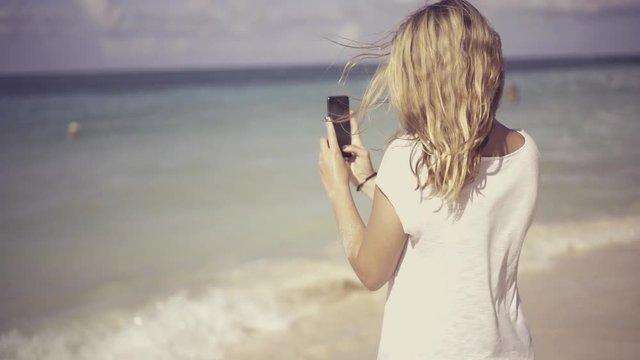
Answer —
188 212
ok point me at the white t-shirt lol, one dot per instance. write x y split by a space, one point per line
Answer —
454 294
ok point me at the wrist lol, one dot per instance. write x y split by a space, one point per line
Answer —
366 180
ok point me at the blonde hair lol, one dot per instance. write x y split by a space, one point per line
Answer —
444 77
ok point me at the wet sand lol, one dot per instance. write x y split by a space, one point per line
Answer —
586 307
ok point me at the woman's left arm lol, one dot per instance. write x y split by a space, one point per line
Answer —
373 250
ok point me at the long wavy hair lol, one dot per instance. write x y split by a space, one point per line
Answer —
444 77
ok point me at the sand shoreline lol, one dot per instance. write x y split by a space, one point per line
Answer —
584 307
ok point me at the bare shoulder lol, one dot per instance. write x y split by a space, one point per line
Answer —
502 141
515 140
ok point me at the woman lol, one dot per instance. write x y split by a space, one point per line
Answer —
453 198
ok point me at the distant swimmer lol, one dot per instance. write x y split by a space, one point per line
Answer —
73 128
514 93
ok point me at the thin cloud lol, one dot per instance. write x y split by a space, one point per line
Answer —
102 12
222 32
565 6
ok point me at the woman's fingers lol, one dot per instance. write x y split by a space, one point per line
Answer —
331 136
356 149
324 144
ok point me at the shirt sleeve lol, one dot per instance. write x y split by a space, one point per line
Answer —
396 180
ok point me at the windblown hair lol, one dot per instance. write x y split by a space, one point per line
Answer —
444 77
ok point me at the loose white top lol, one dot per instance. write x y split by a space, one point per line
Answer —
454 294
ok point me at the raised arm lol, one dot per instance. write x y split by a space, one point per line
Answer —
372 250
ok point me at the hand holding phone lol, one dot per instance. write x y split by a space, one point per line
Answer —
338 112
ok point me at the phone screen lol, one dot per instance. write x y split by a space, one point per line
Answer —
338 110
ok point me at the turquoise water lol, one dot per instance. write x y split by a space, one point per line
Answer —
164 188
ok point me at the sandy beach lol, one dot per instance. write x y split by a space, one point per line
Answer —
584 307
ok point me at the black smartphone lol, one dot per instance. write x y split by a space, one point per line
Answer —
338 111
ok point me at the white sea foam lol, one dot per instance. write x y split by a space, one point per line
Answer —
176 328
546 241
256 298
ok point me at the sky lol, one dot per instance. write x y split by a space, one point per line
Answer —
81 35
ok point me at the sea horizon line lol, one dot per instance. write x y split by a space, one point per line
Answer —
143 79
511 63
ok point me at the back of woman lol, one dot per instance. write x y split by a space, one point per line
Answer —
453 198
454 295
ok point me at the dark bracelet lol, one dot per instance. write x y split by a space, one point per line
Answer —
365 180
